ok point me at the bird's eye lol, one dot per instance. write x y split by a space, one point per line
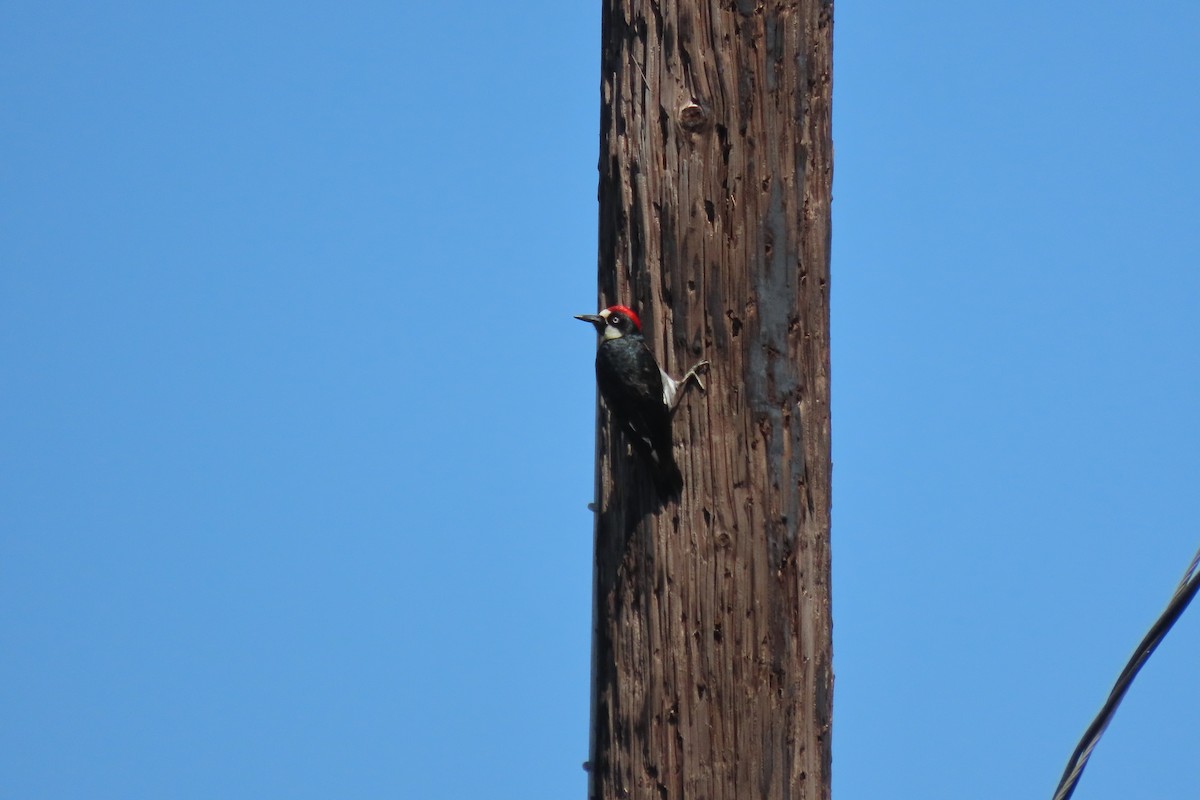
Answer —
616 320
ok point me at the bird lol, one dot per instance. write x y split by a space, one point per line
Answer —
640 395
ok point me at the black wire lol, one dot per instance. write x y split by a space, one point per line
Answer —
1183 595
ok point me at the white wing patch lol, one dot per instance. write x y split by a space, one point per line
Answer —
670 385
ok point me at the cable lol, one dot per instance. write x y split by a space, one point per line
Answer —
1083 751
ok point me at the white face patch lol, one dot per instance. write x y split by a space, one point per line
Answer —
609 331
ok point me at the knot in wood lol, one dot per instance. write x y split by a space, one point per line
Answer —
693 118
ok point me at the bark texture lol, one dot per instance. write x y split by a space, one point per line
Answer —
712 671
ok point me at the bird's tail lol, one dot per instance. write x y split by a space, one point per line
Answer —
668 480
660 461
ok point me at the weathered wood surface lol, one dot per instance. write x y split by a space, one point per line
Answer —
712 673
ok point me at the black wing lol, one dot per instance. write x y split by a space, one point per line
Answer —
631 384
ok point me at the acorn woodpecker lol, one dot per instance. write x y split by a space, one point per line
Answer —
638 393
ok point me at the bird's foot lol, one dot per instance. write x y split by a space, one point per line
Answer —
693 374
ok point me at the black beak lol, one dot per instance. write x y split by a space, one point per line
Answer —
596 320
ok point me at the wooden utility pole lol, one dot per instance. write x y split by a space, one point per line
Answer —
712 675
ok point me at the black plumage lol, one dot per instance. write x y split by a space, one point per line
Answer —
631 384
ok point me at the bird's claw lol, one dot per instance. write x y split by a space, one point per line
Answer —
681 385
693 373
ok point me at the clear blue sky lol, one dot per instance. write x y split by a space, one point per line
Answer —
296 439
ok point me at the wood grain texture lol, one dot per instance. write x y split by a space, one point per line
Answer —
712 673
